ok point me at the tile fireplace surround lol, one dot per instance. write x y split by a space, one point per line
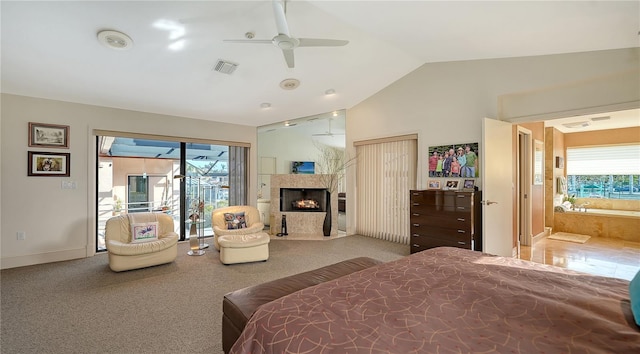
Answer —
302 225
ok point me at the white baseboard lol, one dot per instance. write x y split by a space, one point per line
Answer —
31 259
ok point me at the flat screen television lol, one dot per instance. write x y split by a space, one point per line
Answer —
303 167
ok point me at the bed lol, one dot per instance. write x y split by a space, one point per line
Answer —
449 300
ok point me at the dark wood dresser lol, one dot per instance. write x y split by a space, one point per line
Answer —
445 218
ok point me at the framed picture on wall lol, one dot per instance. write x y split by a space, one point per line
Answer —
48 135
48 164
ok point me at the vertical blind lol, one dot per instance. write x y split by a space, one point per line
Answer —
385 173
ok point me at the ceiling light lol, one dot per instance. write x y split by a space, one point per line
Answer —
577 124
265 105
596 119
115 40
330 92
289 124
335 114
289 84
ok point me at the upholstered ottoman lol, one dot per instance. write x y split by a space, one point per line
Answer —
239 305
244 248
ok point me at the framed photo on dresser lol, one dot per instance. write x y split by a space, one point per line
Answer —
452 184
434 184
469 185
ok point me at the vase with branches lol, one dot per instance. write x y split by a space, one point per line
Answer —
331 164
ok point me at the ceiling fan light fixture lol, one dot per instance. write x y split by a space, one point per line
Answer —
115 40
265 105
330 92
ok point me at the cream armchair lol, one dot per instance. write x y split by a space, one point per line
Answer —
252 219
239 245
126 255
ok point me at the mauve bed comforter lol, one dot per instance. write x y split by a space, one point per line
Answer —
449 300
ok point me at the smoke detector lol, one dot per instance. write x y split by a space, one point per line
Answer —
289 84
115 40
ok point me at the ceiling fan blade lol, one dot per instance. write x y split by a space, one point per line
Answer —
281 19
254 41
318 42
288 57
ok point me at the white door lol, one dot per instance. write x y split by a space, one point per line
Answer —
496 165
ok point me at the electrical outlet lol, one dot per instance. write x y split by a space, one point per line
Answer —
21 235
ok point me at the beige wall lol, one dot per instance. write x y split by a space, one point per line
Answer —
445 103
59 223
603 137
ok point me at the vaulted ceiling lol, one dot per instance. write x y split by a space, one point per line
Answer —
50 49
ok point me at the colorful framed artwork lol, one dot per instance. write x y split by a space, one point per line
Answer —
454 160
433 184
48 135
48 164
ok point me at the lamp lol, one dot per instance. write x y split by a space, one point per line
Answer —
196 241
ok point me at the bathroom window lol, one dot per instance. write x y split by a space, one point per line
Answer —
604 172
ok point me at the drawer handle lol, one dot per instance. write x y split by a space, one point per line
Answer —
416 204
461 231
415 214
461 243
416 245
415 193
415 235
416 225
460 219
461 196
461 208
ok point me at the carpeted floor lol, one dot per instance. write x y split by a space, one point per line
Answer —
81 306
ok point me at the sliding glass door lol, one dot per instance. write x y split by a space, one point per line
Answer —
183 179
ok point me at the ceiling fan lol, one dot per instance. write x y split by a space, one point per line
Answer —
328 132
284 40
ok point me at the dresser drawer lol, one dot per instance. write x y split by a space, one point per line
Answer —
443 220
462 234
423 243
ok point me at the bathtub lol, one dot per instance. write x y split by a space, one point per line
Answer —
605 223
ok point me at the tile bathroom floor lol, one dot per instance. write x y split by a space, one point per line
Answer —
597 256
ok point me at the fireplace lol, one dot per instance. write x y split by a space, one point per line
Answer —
303 199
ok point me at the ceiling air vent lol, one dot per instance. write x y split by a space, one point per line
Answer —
225 67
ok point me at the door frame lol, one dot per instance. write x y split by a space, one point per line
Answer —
524 166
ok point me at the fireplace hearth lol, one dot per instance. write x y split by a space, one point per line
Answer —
303 199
